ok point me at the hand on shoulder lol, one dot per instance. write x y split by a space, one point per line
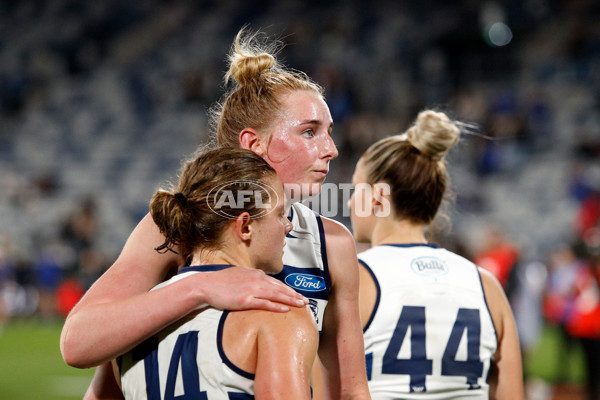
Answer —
241 288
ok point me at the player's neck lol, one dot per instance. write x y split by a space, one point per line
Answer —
231 255
392 231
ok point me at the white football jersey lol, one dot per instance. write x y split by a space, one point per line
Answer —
187 359
431 334
305 267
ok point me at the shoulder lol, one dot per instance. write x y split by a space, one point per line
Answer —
341 255
296 316
336 231
294 325
491 285
496 299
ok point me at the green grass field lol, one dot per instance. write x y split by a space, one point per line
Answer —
32 368
545 360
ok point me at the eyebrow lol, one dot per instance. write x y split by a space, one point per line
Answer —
315 122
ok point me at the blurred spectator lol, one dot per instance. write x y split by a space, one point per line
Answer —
499 256
68 294
81 228
583 320
49 276
19 295
92 264
558 299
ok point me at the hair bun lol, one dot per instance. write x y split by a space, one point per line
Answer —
433 134
249 57
244 68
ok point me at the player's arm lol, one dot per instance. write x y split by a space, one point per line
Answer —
106 384
118 311
341 348
286 349
507 381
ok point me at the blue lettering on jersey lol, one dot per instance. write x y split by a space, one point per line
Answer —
305 282
429 266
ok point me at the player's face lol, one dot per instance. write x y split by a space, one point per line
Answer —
300 145
361 215
268 238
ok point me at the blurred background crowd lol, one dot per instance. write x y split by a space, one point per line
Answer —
100 102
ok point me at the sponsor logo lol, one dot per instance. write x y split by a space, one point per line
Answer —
305 282
429 266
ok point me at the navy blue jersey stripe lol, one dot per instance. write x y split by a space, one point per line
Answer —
324 254
224 358
433 246
204 268
486 302
364 264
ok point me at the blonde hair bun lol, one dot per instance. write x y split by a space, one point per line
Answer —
433 134
246 60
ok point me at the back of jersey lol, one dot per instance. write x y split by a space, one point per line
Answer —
431 335
186 360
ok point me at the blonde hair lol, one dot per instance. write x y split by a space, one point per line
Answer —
259 82
433 134
413 165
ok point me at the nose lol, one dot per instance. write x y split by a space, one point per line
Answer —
329 151
288 226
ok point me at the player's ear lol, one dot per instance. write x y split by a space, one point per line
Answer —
251 140
381 199
243 226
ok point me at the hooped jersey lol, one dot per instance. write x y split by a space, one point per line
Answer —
305 267
431 334
186 360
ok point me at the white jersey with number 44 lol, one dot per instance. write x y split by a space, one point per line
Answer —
431 335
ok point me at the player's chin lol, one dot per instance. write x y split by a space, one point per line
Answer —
279 266
313 188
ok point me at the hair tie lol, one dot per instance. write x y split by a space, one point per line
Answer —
180 197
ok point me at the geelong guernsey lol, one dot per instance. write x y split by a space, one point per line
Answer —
186 359
431 334
305 267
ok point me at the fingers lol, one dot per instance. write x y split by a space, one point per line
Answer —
272 295
284 294
268 288
241 288
262 304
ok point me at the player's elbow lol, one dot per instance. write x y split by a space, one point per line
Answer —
75 359
70 356
70 351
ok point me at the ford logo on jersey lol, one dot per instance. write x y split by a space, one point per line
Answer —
310 283
429 266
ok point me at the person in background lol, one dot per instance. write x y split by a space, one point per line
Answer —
435 325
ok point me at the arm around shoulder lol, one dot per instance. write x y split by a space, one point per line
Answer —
507 382
92 332
118 312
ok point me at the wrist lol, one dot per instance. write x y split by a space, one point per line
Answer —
198 290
